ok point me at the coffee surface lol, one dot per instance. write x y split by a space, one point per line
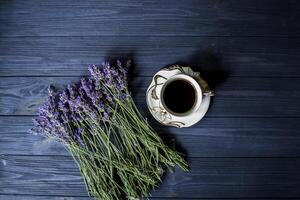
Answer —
179 96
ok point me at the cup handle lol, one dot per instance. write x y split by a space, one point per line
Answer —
209 93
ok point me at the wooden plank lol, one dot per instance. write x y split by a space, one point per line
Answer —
133 17
208 178
221 56
31 197
236 96
212 137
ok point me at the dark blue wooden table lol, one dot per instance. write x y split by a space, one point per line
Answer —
248 145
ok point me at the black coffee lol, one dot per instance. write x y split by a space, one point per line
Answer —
179 96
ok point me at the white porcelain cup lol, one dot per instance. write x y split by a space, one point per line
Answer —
197 90
168 113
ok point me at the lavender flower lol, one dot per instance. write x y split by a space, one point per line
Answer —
93 98
98 122
64 97
96 72
72 91
78 136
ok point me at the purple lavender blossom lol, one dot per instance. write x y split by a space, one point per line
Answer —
64 114
72 91
96 72
64 97
78 136
86 86
106 116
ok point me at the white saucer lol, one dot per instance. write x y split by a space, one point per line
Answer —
154 101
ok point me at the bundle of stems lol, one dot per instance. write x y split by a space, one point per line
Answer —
119 155
132 159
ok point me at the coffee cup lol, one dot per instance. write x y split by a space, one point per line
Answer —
181 95
178 96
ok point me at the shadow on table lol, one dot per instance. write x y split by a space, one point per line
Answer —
210 65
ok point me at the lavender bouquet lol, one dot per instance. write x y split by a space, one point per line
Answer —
119 155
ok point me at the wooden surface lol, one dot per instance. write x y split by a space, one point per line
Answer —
248 145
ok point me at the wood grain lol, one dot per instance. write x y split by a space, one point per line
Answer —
70 56
248 145
212 137
208 178
134 17
37 197
31 197
236 96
